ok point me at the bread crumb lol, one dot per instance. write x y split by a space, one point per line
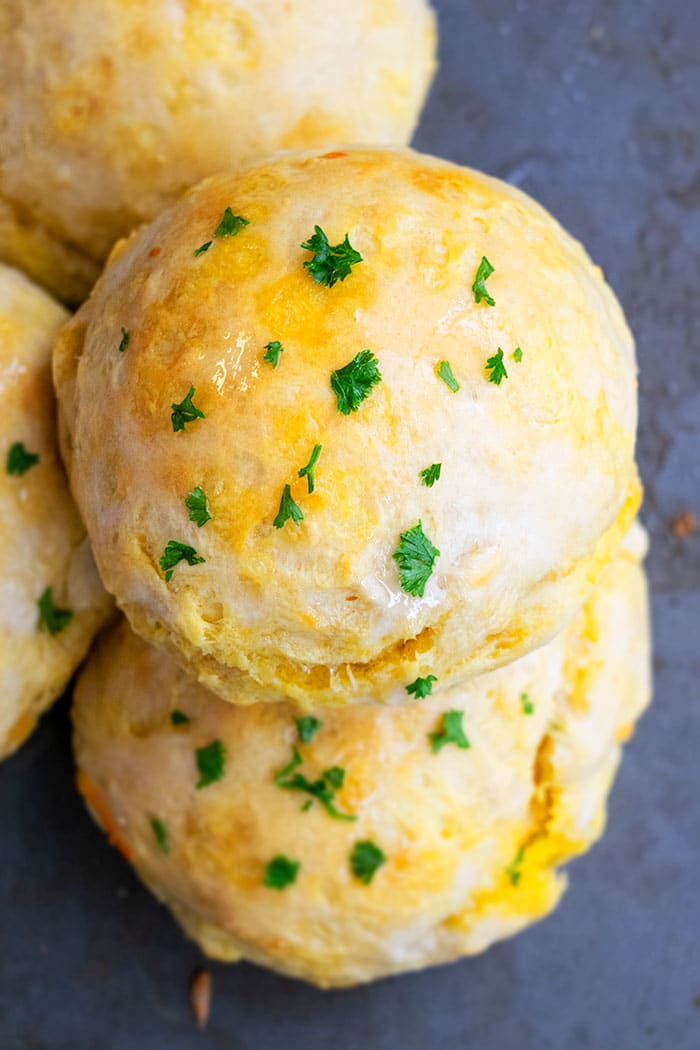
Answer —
200 997
684 524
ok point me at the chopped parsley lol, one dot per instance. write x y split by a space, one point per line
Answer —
330 263
308 471
496 367
176 552
415 556
272 353
335 776
517 355
196 504
288 509
353 382
203 248
179 718
281 872
431 474
126 339
444 370
19 460
483 273
185 411
51 618
161 833
528 706
307 728
365 860
513 871
451 732
211 763
422 687
230 224
323 789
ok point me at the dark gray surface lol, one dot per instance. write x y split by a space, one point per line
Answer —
594 108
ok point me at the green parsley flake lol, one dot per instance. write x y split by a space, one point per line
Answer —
528 706
281 872
126 339
479 287
415 556
203 248
161 833
288 509
196 504
365 860
422 687
272 353
211 763
431 474
230 225
185 412
353 382
496 367
307 728
308 471
444 370
19 460
179 718
176 552
517 355
51 618
322 789
450 733
329 264
335 777
513 870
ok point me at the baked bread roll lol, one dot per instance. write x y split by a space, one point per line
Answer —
237 354
365 841
107 114
51 598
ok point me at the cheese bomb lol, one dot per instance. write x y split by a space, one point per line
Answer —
354 843
107 116
347 419
51 598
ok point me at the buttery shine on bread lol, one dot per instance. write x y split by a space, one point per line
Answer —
354 843
329 321
51 599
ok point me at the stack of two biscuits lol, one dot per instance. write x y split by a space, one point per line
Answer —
352 434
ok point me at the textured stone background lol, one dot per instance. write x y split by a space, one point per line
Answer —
594 108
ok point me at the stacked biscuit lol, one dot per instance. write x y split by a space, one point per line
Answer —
352 434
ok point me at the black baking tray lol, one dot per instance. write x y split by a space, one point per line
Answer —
594 108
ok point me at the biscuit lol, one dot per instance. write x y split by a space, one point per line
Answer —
241 361
104 120
51 598
224 810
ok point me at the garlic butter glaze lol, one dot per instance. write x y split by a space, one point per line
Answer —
537 485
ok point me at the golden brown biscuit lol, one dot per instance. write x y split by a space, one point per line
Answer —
367 843
187 445
107 116
51 599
